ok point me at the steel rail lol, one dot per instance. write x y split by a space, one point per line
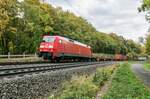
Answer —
18 66
26 70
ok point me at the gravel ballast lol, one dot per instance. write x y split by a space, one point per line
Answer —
39 86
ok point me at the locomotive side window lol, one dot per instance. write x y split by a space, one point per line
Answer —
48 39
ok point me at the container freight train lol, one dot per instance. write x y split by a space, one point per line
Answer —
58 48
108 57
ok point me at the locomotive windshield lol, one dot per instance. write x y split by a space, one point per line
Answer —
48 39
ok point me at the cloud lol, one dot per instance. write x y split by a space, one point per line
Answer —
120 16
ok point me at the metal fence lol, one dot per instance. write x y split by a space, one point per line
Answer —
23 55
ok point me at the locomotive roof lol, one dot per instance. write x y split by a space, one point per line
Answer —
76 42
67 39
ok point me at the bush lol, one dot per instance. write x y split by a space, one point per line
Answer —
102 74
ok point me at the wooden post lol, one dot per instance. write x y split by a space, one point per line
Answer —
24 55
35 55
8 55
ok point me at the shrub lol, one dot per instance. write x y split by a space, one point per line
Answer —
102 74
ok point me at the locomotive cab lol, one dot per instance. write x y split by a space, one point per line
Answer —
46 47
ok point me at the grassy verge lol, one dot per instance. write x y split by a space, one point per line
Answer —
125 85
147 66
85 87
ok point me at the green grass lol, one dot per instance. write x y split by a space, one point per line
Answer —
125 85
147 66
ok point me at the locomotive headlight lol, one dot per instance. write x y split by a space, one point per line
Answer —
41 46
50 46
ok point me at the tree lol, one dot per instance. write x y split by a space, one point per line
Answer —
147 45
145 7
8 12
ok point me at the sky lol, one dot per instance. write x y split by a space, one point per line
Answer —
119 16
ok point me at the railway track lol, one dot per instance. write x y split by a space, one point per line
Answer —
21 70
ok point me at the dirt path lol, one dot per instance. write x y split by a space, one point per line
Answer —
103 90
142 74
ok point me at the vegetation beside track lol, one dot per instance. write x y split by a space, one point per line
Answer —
85 87
125 85
147 65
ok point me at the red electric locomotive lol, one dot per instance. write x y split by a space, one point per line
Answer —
61 48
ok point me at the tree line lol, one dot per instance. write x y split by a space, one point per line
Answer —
22 25
145 7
